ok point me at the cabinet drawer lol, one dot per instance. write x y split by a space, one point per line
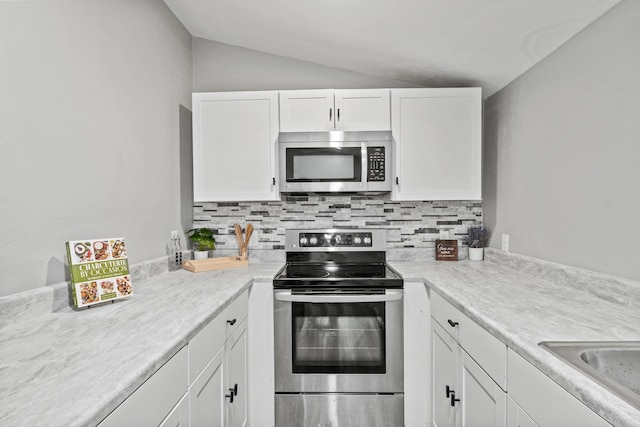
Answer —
446 315
546 402
209 340
488 351
154 399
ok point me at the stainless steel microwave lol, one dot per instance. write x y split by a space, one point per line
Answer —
322 162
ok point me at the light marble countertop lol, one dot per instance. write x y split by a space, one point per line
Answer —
60 367
522 301
72 368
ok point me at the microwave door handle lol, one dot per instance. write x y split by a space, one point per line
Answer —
391 295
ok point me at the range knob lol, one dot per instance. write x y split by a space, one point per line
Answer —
313 241
367 240
303 241
357 240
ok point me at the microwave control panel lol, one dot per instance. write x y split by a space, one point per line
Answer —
375 164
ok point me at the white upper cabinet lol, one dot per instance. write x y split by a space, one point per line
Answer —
234 146
328 109
438 137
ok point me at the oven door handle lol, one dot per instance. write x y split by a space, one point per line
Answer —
390 295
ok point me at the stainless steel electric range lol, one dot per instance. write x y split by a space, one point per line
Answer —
338 331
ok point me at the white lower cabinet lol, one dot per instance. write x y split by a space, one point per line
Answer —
477 381
207 394
203 385
466 365
155 402
218 396
444 365
482 401
179 416
516 417
545 402
218 391
462 393
237 379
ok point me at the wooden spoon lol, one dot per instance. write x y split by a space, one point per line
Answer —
239 238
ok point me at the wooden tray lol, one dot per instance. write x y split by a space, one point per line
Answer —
210 264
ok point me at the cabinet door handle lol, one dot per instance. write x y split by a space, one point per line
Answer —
273 181
397 181
231 322
449 391
230 395
330 114
452 323
453 399
338 114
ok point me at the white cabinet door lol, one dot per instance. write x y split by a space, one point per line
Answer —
482 402
362 109
328 109
545 401
154 399
237 376
438 135
306 110
207 395
234 146
444 363
516 417
179 416
463 394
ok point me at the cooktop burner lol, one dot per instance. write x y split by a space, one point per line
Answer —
336 258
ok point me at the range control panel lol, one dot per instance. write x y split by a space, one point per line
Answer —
375 164
315 239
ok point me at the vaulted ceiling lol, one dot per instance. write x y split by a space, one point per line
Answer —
432 43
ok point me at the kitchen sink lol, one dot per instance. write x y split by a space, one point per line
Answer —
615 365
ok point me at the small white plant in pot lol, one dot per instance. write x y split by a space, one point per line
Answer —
476 239
203 242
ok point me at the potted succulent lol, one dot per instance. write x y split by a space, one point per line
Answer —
203 241
476 239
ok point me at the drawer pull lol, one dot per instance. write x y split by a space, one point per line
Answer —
453 399
452 323
231 322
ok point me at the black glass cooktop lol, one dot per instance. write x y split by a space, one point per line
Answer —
295 275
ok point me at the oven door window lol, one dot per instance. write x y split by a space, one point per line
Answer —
338 338
324 164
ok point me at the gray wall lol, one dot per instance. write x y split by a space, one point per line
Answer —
90 109
562 151
222 67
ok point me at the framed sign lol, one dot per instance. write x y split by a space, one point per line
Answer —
446 250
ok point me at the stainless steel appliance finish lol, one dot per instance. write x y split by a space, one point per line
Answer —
343 343
338 410
338 331
321 162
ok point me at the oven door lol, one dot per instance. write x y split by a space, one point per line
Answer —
338 343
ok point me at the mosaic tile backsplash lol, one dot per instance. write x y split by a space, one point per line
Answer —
412 227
